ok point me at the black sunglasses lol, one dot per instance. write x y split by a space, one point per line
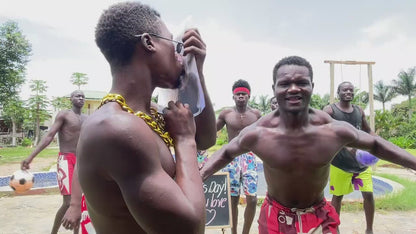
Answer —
178 47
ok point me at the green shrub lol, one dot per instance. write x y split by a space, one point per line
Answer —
402 142
26 142
222 137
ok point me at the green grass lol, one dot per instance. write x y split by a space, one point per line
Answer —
17 154
401 201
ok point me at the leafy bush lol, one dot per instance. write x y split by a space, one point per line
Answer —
26 142
403 142
222 137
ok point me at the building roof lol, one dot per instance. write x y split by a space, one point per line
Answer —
91 94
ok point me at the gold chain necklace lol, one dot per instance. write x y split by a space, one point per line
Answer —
157 123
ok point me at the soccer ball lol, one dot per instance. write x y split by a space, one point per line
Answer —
365 158
21 181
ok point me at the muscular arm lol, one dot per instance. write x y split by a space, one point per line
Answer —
328 110
205 122
365 126
72 216
381 148
237 146
221 120
46 140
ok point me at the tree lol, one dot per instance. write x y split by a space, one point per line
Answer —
405 85
383 93
253 103
263 105
79 79
360 98
61 103
38 103
14 55
14 112
319 102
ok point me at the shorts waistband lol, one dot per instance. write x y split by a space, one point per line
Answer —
311 209
67 154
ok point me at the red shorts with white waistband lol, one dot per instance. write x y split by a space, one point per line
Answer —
277 219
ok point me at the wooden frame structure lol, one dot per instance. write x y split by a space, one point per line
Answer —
370 84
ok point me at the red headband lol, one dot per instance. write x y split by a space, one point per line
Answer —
241 89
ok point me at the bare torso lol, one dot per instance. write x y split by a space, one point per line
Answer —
298 159
69 132
236 121
106 204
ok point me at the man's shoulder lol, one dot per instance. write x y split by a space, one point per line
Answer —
254 111
329 108
119 125
319 116
226 111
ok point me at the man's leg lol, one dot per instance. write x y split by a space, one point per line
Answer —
60 213
339 185
249 213
234 172
369 208
249 182
234 212
336 203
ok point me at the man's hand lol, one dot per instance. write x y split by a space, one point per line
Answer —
72 218
179 120
25 164
194 44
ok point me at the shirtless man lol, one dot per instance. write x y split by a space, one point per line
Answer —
297 144
273 103
68 125
345 168
243 168
126 169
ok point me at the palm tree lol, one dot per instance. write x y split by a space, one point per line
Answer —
383 93
79 79
264 104
406 86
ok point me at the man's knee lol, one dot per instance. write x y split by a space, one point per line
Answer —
368 196
251 200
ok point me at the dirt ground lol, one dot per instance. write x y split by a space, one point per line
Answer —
38 164
34 214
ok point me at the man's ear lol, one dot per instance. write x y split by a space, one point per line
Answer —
273 87
313 85
147 42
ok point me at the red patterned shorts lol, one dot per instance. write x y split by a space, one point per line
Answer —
277 219
66 165
86 224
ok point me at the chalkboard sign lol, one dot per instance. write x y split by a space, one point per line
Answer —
218 201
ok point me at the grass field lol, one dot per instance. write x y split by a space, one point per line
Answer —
17 154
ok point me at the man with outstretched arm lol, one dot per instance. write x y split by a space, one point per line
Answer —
297 144
68 125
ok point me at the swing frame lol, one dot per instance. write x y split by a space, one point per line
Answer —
370 83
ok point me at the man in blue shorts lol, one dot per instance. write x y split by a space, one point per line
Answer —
243 168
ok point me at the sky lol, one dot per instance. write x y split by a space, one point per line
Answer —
244 39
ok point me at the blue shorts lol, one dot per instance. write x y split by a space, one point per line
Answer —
243 171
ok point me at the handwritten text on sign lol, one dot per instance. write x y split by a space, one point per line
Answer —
216 189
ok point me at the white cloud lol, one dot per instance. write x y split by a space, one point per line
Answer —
230 55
